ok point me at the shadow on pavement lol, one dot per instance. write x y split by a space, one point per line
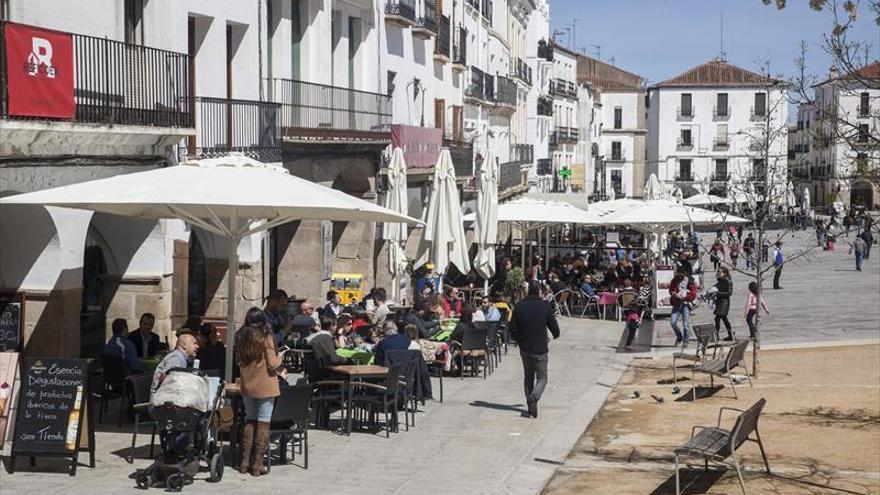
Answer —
702 393
500 407
692 481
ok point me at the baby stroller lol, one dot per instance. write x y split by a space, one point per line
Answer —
184 407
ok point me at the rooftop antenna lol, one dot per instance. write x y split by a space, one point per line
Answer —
572 40
598 51
721 52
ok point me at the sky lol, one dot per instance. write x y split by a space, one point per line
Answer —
660 39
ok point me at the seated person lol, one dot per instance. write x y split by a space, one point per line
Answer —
186 349
431 351
418 317
465 322
587 286
380 314
450 302
487 311
212 352
556 285
334 305
323 344
392 341
120 346
344 332
145 341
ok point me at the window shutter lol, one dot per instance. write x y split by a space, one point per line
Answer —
440 114
458 123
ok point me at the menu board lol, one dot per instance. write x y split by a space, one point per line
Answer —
51 408
11 320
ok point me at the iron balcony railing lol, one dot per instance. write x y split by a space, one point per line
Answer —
402 8
545 106
520 69
505 91
443 43
720 177
545 50
684 177
459 47
685 113
682 144
462 154
721 143
522 153
475 88
721 113
244 126
119 83
509 176
487 10
563 135
428 19
474 3
322 111
488 88
561 87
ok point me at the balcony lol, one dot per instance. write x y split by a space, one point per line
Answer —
244 126
616 156
685 113
545 106
682 145
474 4
684 177
720 114
759 114
481 87
486 10
564 135
443 42
721 143
459 50
545 51
510 176
426 25
505 94
401 13
521 70
522 153
312 111
117 83
563 88
720 177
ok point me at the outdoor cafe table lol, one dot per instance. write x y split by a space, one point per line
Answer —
606 299
351 372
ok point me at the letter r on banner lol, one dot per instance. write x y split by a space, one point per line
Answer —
39 72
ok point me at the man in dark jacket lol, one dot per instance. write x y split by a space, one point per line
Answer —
146 343
532 317
417 315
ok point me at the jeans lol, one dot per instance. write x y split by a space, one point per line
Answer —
535 370
750 321
632 327
859 259
258 409
683 313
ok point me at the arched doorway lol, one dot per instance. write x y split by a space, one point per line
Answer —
93 309
196 277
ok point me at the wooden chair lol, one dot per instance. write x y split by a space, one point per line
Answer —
713 443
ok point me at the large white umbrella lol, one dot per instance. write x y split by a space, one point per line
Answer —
654 189
444 231
703 199
678 195
486 227
232 196
790 200
396 233
806 203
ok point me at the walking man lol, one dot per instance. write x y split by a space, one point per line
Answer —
778 261
531 319
868 237
860 247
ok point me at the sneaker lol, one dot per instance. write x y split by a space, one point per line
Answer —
684 344
533 407
629 348
677 340
728 338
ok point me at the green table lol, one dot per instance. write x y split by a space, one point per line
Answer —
149 364
358 356
442 335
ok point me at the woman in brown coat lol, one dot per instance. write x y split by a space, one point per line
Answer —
261 365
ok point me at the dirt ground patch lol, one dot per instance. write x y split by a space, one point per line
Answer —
820 427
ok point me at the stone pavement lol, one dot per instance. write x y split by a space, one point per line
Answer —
822 299
475 442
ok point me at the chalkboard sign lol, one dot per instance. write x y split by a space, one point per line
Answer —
52 404
11 320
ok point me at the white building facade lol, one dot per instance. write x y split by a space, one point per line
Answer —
539 100
565 132
717 123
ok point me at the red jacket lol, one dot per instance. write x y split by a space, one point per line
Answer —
675 298
450 307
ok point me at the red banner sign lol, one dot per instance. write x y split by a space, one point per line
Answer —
40 72
421 145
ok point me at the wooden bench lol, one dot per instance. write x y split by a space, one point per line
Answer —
722 367
714 443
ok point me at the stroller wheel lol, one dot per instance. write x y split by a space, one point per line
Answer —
216 468
144 480
175 482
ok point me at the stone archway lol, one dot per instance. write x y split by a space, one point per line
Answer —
862 194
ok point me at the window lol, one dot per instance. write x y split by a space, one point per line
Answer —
618 118
390 79
616 151
720 169
686 109
721 105
440 115
760 109
759 170
721 135
684 170
617 182
685 139
863 133
864 104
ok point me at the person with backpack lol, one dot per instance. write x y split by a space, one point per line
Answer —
778 262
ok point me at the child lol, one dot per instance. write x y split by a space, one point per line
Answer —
633 319
752 308
829 240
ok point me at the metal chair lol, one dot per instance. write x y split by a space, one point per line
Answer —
140 394
475 348
290 424
114 385
374 399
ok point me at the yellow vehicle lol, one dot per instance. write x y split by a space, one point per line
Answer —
350 286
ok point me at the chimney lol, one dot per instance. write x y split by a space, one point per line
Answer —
832 73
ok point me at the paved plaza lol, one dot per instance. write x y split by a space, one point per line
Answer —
477 441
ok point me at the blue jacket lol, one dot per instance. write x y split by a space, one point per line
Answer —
396 342
124 348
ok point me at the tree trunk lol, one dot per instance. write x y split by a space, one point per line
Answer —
759 279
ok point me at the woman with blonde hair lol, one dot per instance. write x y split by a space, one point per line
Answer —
261 366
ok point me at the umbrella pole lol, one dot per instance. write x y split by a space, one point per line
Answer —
230 305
